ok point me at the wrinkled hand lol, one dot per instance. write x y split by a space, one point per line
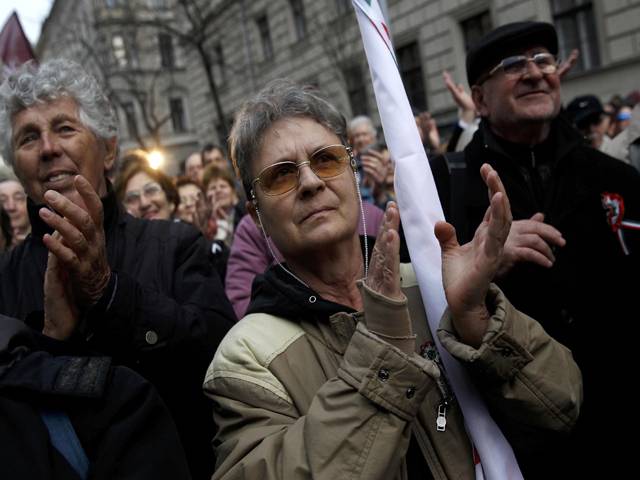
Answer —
467 270
60 312
568 64
80 247
384 268
461 97
530 241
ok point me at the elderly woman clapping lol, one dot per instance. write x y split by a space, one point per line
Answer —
331 376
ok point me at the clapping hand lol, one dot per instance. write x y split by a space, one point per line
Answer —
384 268
468 269
79 245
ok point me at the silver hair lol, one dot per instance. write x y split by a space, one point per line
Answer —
362 120
32 84
278 100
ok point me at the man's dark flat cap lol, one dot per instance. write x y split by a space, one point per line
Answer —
507 40
584 108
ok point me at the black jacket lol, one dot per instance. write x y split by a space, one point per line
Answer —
163 314
122 425
586 300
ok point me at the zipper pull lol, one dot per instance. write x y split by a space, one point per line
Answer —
441 421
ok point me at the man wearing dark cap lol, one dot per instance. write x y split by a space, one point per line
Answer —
587 115
572 249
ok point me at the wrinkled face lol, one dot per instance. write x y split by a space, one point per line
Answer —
216 158
510 101
317 213
190 198
361 137
193 167
221 194
145 198
51 146
14 201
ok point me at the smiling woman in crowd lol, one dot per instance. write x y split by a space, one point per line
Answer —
147 193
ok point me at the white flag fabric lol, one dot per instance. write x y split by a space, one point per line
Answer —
420 209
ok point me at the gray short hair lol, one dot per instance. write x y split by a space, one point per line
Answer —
362 120
32 84
278 100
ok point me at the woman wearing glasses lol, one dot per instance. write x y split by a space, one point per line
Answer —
147 193
333 372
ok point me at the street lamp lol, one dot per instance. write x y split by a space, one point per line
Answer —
155 159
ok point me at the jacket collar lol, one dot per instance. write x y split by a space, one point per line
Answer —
110 205
563 138
277 293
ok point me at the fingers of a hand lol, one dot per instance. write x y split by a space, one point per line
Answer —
537 217
547 232
392 216
535 242
90 197
446 235
75 215
499 224
533 256
68 233
64 254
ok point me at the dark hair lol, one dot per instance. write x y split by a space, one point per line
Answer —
136 167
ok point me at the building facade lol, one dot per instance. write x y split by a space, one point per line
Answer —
229 49
129 47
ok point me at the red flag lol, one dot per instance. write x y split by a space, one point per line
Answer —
15 48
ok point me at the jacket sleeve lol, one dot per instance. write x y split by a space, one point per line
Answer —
358 424
248 258
143 319
529 380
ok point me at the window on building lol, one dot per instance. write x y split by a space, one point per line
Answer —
119 50
299 20
343 6
167 54
219 64
411 73
130 118
356 90
576 28
178 116
265 37
476 27
112 3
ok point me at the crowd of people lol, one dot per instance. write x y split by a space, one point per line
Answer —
257 316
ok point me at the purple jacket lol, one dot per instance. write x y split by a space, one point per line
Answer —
250 256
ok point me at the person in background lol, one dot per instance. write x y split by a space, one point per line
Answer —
588 116
142 292
372 159
13 201
147 193
214 154
193 167
223 200
192 207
